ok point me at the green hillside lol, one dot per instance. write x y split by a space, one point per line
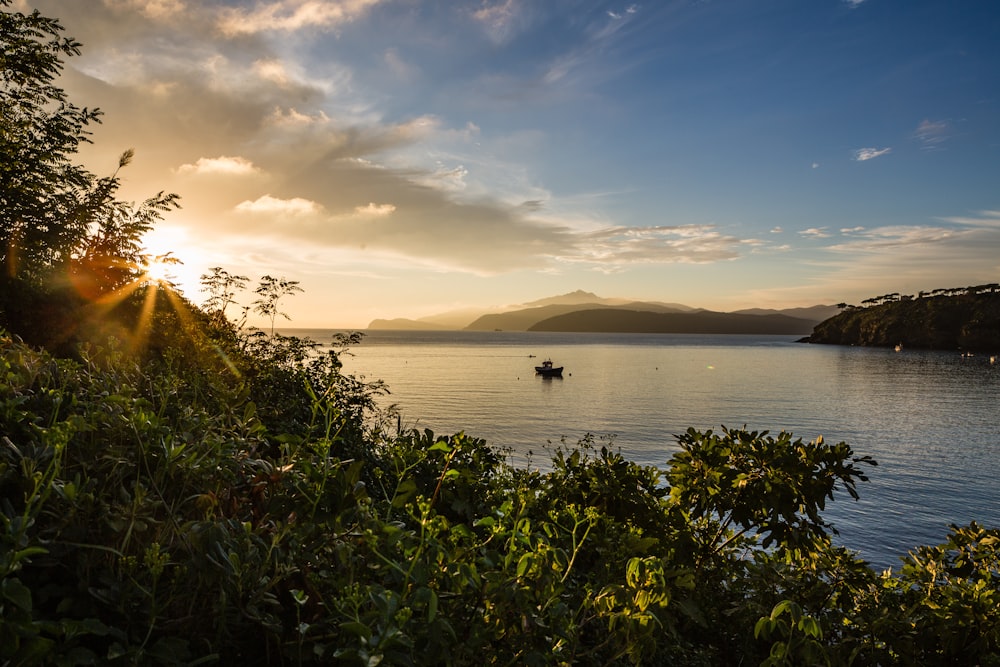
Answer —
953 319
608 320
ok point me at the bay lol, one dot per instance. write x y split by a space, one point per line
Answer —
929 418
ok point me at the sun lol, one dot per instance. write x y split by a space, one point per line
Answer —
161 269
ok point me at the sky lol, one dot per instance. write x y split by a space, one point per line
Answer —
405 158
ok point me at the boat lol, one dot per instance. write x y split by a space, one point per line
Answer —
548 370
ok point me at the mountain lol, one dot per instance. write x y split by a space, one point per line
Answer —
523 320
814 313
617 320
956 322
523 317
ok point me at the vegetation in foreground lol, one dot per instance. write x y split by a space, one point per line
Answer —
177 489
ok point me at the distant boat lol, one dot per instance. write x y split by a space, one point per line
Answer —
548 370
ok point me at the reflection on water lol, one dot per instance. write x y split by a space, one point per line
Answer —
929 418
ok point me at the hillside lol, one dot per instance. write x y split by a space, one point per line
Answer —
524 320
960 321
815 313
608 320
520 316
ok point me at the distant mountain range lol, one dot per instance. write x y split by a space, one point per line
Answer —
584 311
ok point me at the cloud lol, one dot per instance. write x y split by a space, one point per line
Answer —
905 258
400 67
895 236
631 9
776 230
292 15
235 166
986 219
815 165
500 20
849 230
932 133
154 9
854 3
268 205
375 210
661 244
863 154
815 233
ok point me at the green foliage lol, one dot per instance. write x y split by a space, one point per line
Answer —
66 241
177 489
962 318
155 515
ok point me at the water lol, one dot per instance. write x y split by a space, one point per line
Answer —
930 419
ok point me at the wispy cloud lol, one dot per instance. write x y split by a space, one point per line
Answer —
631 9
851 230
815 233
853 3
500 20
155 9
292 15
863 154
889 237
661 244
987 219
932 133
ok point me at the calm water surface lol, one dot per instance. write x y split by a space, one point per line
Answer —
930 419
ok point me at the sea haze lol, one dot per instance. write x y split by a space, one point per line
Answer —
930 419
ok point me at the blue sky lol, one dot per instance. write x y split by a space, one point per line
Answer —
404 158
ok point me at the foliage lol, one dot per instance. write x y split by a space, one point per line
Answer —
178 489
154 513
956 319
66 241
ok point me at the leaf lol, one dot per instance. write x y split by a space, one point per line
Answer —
357 629
524 563
764 627
12 589
432 607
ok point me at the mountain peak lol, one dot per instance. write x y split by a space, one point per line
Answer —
579 296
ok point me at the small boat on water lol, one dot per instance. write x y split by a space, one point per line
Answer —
547 369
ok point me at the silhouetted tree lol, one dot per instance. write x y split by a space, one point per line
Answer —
271 290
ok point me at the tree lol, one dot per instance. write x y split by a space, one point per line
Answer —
56 217
39 132
221 287
65 237
271 290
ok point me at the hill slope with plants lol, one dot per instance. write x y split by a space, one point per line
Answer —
949 319
607 320
179 489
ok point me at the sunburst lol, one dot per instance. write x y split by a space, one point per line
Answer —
160 269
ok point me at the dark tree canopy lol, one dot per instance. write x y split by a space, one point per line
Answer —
64 236
41 189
